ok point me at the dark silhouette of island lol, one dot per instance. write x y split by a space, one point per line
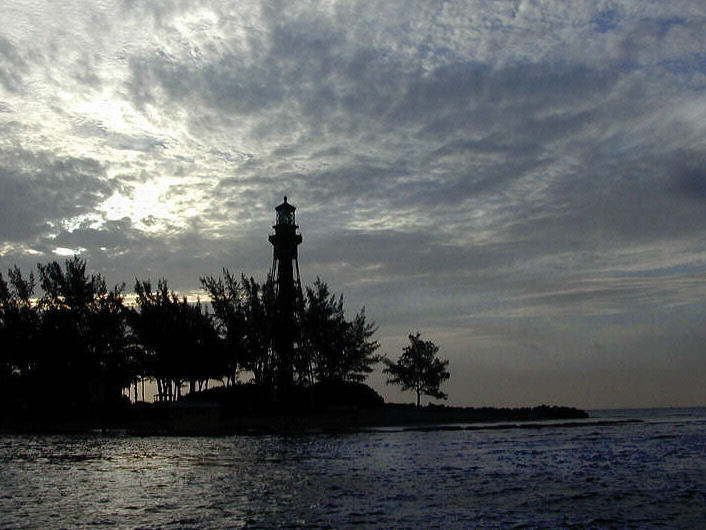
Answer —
76 355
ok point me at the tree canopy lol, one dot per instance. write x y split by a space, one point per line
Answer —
66 346
418 369
337 349
176 338
329 347
79 338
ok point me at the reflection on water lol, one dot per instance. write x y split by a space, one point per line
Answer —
636 474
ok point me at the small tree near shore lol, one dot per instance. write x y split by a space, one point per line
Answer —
418 369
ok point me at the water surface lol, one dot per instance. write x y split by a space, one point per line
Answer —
651 473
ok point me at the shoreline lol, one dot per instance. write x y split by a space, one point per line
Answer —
209 419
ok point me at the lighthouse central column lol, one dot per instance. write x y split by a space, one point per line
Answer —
285 241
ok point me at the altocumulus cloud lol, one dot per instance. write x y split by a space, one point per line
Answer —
523 182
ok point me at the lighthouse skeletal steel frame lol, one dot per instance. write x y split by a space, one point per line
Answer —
285 272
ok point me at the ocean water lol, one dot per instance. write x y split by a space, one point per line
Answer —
602 472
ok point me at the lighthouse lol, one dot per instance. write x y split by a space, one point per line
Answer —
285 273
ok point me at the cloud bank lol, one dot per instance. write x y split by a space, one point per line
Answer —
523 182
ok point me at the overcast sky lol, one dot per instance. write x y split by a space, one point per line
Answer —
523 182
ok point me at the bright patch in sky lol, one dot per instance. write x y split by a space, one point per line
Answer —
68 252
107 111
147 205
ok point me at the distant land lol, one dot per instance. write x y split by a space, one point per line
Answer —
343 407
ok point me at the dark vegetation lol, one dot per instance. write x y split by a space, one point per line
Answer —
418 369
76 347
71 348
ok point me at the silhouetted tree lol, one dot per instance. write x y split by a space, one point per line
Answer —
19 322
82 332
257 310
359 353
179 344
156 326
109 338
202 358
243 311
136 361
329 347
79 338
338 350
418 369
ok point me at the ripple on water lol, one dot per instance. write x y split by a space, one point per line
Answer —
630 475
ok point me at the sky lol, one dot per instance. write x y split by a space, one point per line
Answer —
521 182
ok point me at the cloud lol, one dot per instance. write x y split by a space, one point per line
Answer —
527 177
40 189
689 175
11 66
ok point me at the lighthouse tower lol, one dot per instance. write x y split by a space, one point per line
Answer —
285 272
